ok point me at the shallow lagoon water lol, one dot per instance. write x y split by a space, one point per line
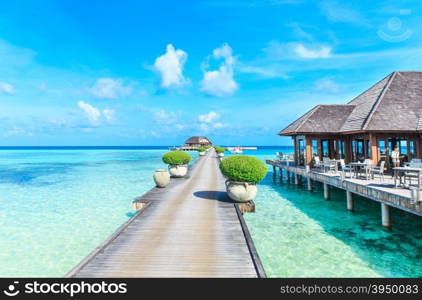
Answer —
56 206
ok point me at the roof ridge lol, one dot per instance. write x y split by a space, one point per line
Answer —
370 87
379 99
419 125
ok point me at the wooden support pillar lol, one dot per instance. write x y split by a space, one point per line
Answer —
349 151
308 158
350 201
274 171
386 216
310 187
288 176
281 175
326 191
374 148
297 179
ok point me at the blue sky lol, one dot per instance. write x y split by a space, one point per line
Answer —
138 73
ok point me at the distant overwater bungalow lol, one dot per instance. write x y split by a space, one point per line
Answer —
195 142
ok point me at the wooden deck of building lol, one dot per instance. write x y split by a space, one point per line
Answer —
189 229
374 189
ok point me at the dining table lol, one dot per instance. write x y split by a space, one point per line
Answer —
328 164
358 166
400 172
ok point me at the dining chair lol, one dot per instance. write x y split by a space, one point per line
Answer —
317 163
379 170
346 168
369 164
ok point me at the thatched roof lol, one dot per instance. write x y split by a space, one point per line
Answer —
392 104
198 140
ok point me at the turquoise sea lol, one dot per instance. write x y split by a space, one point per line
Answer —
57 205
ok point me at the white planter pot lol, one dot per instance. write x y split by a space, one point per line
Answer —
241 191
178 170
161 178
221 154
201 153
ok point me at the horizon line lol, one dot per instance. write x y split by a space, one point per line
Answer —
130 146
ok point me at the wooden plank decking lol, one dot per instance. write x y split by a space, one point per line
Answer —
189 229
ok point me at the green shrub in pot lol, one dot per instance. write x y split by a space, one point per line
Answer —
243 172
178 162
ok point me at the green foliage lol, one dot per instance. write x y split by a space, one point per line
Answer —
176 158
201 149
243 168
208 147
219 149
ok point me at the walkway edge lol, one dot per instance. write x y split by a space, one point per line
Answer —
259 268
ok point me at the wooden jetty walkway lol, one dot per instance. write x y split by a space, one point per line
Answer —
189 229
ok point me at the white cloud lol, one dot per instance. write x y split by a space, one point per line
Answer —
170 67
263 72
327 85
162 116
108 88
6 88
91 112
219 125
220 82
155 134
17 131
209 121
109 115
322 52
336 12
295 50
209 117
204 128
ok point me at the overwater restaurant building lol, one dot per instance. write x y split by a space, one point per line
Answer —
197 141
387 115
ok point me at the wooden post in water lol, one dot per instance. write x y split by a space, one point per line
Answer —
281 175
297 179
350 201
386 217
288 176
310 187
326 191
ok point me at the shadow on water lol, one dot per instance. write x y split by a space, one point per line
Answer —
391 253
31 175
130 214
213 195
